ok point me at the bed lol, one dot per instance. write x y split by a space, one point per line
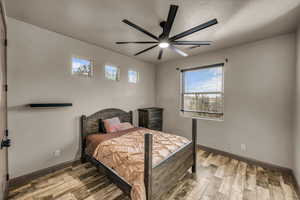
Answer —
158 176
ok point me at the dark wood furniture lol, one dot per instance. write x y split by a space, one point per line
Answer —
159 178
151 118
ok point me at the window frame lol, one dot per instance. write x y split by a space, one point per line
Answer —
137 76
182 93
118 74
82 58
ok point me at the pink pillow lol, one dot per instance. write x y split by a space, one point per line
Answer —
111 125
124 126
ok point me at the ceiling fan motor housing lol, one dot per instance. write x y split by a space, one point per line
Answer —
162 25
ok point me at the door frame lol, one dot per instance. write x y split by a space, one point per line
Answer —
3 16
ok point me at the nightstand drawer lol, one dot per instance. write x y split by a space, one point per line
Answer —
157 127
155 123
155 115
153 120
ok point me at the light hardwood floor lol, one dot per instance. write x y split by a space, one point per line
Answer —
219 178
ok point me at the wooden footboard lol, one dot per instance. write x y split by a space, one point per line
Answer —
162 177
167 174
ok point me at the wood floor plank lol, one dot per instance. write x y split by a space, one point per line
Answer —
203 157
208 160
199 189
200 153
61 189
68 196
122 197
250 194
112 194
230 168
186 188
213 188
88 190
288 190
263 193
216 161
240 179
170 195
251 177
239 182
221 168
101 193
262 178
19 190
220 171
37 192
229 175
225 187
276 192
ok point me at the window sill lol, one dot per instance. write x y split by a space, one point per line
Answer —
201 118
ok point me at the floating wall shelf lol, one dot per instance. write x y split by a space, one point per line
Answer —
49 105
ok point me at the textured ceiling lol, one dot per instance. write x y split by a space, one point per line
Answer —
99 21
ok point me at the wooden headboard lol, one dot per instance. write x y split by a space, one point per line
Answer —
90 124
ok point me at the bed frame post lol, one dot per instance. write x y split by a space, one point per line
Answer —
148 165
194 132
83 140
131 117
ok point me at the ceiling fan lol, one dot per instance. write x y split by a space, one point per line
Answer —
164 41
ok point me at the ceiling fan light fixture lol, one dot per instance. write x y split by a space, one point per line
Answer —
163 45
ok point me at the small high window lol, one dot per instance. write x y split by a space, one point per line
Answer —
112 72
202 94
82 67
133 76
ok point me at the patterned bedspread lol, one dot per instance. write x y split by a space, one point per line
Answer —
125 155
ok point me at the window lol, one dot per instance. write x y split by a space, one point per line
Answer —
132 76
202 92
81 67
112 72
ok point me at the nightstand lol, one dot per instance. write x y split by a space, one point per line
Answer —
151 118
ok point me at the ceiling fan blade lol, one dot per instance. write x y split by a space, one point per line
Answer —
142 42
195 29
139 29
193 47
160 54
145 50
178 51
191 43
170 20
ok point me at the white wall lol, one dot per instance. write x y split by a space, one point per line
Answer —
39 71
259 89
297 113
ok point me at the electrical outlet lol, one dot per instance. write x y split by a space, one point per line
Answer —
57 153
243 147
